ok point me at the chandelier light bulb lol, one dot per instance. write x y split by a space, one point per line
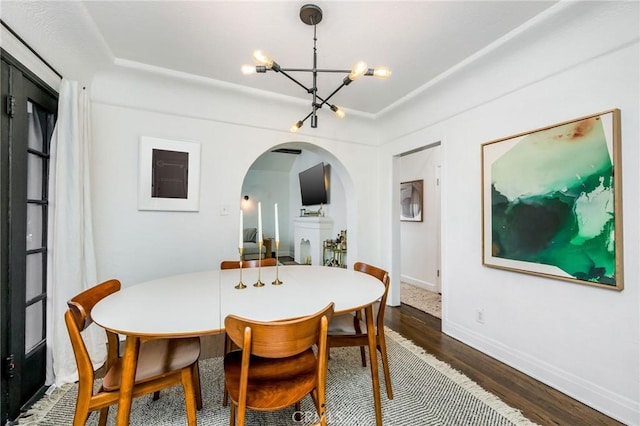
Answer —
296 127
337 111
358 70
248 69
263 58
382 72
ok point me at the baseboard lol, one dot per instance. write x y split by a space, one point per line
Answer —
285 253
420 283
610 403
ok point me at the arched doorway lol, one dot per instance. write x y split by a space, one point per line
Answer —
273 178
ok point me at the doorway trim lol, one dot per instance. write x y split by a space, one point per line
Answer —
395 224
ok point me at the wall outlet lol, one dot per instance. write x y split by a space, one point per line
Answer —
480 315
224 210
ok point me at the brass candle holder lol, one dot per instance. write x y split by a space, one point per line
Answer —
240 285
277 281
259 283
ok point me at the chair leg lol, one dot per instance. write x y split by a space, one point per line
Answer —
297 416
196 385
382 345
82 408
104 413
156 396
189 395
240 413
363 356
80 419
232 415
228 345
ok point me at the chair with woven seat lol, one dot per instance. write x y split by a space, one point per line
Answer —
276 366
345 330
162 363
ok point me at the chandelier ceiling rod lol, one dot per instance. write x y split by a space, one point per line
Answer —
311 14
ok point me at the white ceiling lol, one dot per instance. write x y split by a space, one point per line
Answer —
419 40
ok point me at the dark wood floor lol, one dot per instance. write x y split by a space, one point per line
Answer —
538 402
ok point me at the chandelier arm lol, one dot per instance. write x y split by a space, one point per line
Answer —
314 94
326 101
311 70
295 81
305 119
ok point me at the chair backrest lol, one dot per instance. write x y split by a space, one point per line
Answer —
279 339
78 318
235 264
383 276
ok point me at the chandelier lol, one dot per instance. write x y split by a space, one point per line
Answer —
311 14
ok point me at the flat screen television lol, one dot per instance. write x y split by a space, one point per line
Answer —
313 186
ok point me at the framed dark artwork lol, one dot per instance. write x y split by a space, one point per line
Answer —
169 175
411 202
551 201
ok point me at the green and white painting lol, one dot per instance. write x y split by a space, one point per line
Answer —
551 201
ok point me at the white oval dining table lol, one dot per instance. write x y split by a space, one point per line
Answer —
195 304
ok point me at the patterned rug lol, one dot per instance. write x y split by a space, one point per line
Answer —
426 392
426 301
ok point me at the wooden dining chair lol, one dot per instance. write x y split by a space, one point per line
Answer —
346 330
162 363
235 264
276 366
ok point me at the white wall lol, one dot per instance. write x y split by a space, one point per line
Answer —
137 245
579 59
267 187
420 241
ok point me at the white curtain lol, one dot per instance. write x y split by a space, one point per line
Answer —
71 258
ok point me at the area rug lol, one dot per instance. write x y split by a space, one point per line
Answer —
426 392
427 301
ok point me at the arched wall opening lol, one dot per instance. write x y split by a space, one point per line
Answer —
273 178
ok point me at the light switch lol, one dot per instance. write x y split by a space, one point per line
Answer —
224 210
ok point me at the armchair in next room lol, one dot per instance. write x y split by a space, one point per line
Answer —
250 245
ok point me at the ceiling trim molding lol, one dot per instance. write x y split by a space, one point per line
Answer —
512 35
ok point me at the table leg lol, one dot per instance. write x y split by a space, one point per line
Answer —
129 364
373 361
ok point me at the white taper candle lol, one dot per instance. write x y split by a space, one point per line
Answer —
259 222
277 228
240 234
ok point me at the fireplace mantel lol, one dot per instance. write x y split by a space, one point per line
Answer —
314 230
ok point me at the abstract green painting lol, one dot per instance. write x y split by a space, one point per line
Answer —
552 201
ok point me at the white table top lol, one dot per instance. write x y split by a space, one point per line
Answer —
197 303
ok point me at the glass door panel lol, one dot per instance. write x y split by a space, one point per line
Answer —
34 226
34 276
34 326
35 168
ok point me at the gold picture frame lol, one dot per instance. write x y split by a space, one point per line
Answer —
552 201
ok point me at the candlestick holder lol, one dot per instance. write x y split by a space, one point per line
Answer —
277 281
240 285
259 283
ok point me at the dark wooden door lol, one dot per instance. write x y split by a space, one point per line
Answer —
29 111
